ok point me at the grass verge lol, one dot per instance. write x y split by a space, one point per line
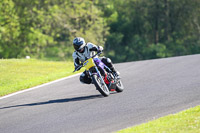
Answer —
19 74
184 122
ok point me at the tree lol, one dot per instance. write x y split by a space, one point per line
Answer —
153 29
9 29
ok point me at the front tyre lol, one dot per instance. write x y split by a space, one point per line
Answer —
101 86
119 86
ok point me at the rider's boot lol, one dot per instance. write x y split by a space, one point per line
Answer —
115 72
109 63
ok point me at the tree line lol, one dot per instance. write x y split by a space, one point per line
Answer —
129 30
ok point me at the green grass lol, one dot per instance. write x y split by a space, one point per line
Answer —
184 122
19 74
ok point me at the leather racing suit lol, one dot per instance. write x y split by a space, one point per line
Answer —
89 50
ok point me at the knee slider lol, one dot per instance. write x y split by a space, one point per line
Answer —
81 79
109 60
85 79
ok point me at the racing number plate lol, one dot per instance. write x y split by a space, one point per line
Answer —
88 64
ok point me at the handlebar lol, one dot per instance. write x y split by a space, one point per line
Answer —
98 53
81 65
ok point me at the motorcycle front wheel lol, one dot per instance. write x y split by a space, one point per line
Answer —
100 85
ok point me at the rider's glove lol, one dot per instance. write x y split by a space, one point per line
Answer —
100 49
77 67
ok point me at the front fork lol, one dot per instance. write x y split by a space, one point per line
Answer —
99 75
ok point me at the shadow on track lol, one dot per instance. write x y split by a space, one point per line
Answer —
56 101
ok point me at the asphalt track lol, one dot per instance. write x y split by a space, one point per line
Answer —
153 88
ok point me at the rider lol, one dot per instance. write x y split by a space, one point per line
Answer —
84 51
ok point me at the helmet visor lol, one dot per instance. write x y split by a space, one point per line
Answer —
81 50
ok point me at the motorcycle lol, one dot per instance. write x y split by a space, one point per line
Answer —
101 75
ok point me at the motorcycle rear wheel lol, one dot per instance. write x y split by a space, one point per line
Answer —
119 86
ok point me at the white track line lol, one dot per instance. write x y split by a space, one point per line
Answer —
39 86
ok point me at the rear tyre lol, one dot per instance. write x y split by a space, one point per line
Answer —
101 87
119 86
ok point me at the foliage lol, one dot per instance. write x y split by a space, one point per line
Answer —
129 30
9 29
46 28
152 29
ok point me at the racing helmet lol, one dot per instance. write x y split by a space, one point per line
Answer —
79 44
